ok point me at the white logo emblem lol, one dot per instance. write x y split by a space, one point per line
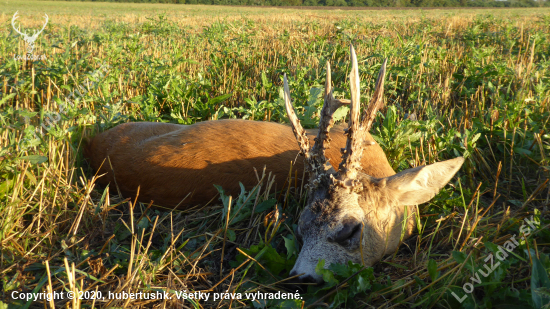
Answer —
30 39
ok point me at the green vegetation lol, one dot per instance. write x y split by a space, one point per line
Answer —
478 83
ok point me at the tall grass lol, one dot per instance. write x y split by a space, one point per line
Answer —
477 82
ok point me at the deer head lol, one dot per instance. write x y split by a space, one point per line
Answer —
349 215
29 39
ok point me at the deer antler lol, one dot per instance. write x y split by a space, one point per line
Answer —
315 156
13 24
326 121
299 132
376 101
351 158
351 163
35 34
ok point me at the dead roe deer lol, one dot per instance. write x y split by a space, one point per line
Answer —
356 213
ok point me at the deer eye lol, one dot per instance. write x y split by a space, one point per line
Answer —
350 233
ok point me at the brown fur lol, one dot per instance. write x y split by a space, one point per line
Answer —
168 161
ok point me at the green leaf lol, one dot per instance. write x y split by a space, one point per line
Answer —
419 281
259 303
475 138
491 246
522 151
13 283
340 299
396 265
265 82
98 207
432 269
545 260
273 261
219 99
231 235
6 98
341 113
314 94
539 279
5 186
26 113
291 304
35 159
362 281
328 276
459 257
143 223
544 292
265 205
362 284
290 245
341 270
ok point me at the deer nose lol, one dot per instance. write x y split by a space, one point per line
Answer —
304 279
308 279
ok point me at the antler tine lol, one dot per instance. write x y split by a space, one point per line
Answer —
326 121
351 159
299 132
328 82
46 23
352 153
376 101
13 23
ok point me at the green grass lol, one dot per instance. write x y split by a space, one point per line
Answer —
477 80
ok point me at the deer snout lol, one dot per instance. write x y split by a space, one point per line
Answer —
309 257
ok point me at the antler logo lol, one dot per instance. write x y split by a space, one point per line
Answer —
30 39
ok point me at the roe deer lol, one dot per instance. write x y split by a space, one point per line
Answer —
170 161
352 215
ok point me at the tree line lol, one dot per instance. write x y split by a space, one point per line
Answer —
355 3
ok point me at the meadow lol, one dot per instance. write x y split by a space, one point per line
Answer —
478 82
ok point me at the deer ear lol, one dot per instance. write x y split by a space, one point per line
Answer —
420 184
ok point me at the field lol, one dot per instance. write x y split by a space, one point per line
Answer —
477 80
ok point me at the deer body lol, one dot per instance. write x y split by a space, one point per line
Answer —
170 161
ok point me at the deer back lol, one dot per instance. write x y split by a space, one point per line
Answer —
170 161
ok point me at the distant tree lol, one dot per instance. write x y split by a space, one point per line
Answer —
293 2
311 3
403 3
357 3
380 3
526 3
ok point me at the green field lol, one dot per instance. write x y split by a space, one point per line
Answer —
478 81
